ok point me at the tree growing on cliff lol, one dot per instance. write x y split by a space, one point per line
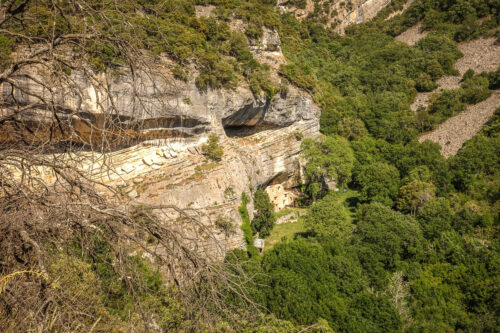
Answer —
212 149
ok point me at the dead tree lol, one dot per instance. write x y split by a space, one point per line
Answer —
47 204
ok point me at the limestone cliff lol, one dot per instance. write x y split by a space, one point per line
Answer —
337 13
163 122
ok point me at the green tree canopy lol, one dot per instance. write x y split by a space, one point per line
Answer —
435 217
372 313
384 239
379 182
303 287
414 195
329 219
480 155
327 158
264 217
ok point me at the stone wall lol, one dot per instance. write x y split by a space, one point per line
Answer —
280 197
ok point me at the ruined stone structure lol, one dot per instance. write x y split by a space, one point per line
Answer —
280 197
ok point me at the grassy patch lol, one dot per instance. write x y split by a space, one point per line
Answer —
350 200
285 230
205 167
283 212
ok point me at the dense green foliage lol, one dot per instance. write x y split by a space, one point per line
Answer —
370 76
328 219
366 75
474 89
379 182
246 226
328 159
416 250
170 28
264 217
455 18
421 251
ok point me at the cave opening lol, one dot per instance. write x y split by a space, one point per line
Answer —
245 131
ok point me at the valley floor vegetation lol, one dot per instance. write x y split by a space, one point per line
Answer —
417 249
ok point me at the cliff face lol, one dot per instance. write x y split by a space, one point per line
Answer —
155 106
156 158
151 127
361 11
338 13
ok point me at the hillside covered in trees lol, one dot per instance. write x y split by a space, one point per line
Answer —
409 242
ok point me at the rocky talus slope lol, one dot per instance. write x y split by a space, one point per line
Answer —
454 132
412 35
480 55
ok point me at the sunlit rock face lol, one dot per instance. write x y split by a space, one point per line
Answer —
338 13
144 106
143 131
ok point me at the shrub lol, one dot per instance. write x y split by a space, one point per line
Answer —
245 226
179 73
263 221
449 103
6 48
434 70
225 224
469 74
424 83
475 90
212 149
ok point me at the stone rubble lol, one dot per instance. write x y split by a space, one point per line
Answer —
480 55
455 131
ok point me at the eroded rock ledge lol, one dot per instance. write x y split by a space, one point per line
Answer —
166 121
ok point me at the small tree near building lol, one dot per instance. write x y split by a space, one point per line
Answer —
264 217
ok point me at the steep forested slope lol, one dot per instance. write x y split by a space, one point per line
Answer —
421 252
